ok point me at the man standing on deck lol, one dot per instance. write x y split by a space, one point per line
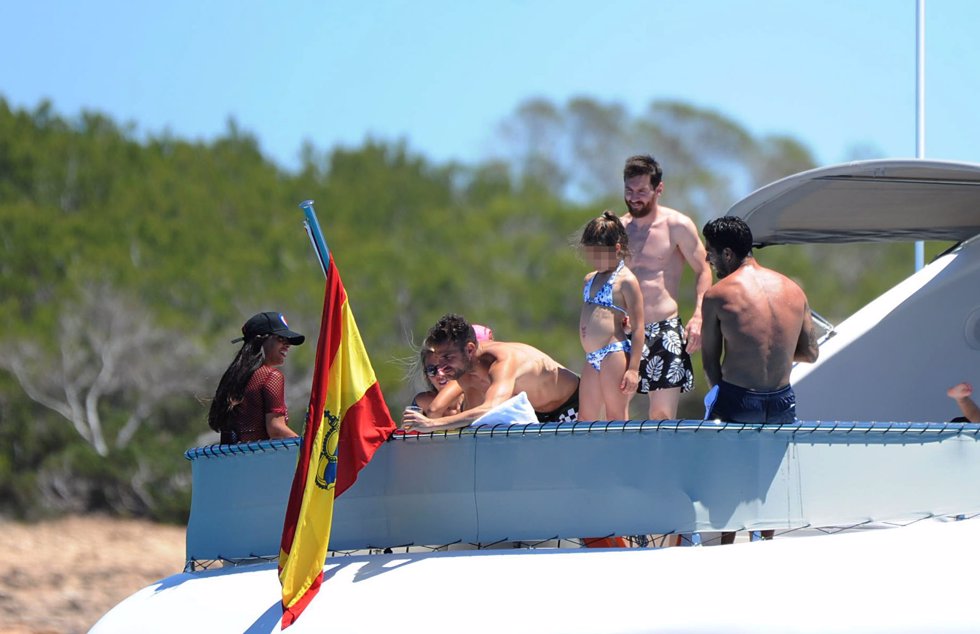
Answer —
762 320
662 240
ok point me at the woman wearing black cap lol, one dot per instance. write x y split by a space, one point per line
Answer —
250 402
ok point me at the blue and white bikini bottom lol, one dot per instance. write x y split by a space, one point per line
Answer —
595 357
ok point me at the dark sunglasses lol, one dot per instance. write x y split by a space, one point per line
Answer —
433 370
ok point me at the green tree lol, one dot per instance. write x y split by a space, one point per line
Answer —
125 256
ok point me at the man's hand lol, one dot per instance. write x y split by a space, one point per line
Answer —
960 390
693 332
630 380
413 420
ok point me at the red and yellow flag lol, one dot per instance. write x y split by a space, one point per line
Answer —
346 421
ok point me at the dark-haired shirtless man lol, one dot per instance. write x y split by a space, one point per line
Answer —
761 320
490 372
663 241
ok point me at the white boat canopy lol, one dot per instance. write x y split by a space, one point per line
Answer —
867 201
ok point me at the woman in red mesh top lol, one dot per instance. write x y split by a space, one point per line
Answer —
250 402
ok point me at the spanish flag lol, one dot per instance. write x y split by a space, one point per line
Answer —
346 421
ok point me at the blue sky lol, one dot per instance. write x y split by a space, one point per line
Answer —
835 74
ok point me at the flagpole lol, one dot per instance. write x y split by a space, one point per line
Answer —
920 104
316 235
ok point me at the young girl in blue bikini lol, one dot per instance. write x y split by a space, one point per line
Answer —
611 295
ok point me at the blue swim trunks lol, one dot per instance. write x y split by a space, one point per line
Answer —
736 404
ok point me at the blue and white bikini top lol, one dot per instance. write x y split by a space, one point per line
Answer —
604 296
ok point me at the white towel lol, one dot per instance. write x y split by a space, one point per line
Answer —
516 410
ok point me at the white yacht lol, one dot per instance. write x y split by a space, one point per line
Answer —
478 530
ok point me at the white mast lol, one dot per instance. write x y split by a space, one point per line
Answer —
920 103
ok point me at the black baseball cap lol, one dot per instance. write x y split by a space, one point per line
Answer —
269 323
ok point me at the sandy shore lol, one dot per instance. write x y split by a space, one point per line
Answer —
61 576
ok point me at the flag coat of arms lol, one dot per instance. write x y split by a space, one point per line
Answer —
346 421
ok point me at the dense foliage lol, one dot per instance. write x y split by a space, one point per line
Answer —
128 262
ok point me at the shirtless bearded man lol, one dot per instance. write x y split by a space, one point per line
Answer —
662 240
762 321
490 372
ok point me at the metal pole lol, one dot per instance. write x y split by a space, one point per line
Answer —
316 236
920 103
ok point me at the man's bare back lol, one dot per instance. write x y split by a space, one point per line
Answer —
505 368
764 321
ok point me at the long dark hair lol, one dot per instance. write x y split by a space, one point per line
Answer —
231 387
